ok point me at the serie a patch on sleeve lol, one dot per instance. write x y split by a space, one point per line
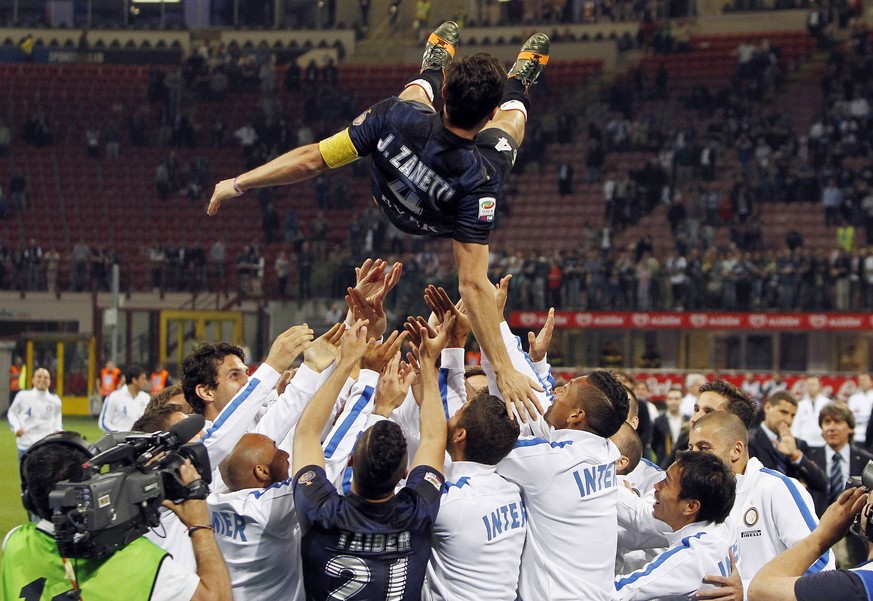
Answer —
433 479
486 208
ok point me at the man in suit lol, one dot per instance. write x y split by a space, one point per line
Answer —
712 397
776 448
668 428
839 459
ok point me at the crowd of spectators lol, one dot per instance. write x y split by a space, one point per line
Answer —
717 279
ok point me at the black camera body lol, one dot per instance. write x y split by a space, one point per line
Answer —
120 493
865 480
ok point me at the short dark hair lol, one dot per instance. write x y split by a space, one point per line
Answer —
156 418
739 403
780 396
47 465
164 396
839 411
605 418
379 460
132 372
491 433
629 444
706 478
473 370
201 367
474 87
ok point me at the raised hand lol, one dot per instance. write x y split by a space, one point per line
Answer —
501 291
377 356
288 346
539 343
354 343
392 387
411 369
432 343
440 303
324 349
284 380
373 311
369 277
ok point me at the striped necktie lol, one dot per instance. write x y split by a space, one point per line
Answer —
836 479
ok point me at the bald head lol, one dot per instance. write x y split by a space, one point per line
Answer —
724 424
255 462
722 434
631 448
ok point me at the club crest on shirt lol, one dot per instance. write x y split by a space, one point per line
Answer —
433 479
486 209
750 517
360 118
307 478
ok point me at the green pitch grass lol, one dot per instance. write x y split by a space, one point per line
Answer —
11 511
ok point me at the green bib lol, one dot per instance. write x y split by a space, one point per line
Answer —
32 570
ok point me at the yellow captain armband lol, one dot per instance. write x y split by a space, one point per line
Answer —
338 149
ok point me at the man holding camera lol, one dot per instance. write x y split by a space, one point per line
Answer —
34 569
783 579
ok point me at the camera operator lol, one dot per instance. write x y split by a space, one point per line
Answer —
33 568
782 578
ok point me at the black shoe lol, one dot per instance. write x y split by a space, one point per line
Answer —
440 47
532 59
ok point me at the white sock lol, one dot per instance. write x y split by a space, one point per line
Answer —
425 85
514 105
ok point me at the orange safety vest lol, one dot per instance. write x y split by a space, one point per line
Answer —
14 378
109 380
473 358
159 380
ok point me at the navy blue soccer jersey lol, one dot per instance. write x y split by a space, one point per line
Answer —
426 179
354 549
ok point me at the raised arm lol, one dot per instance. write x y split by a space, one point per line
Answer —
775 581
517 390
214 578
292 167
432 426
307 438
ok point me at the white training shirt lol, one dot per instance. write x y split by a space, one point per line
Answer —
121 410
477 538
805 425
570 490
861 404
697 550
772 512
259 536
36 412
239 415
641 538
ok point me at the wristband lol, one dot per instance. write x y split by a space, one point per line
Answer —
194 529
239 191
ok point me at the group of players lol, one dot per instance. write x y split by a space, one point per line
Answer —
373 473
369 474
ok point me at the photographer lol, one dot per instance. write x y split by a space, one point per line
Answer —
782 578
33 568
